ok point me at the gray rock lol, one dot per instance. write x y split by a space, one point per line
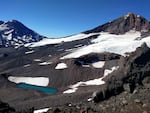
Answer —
145 112
137 101
124 102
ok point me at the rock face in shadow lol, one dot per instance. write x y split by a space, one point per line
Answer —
124 24
5 108
134 71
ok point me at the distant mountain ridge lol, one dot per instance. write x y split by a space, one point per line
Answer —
13 33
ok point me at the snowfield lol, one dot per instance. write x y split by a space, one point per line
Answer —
119 44
38 81
47 41
29 52
61 66
98 81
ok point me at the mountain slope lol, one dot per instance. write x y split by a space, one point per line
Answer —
13 33
90 66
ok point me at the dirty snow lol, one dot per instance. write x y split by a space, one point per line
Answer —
61 66
39 81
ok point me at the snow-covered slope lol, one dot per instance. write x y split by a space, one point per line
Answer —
60 40
106 42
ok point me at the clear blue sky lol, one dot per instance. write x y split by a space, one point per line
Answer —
58 18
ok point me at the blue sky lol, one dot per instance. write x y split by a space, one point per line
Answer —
58 18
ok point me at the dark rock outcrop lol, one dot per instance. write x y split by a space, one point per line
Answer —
133 72
95 57
5 108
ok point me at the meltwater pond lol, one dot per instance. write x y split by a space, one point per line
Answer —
46 90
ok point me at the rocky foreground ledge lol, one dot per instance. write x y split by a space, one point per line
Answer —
125 102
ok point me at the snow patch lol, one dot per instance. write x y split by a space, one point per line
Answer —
73 90
39 81
98 81
3 27
41 110
9 37
78 45
68 49
85 65
45 63
138 16
37 60
89 99
29 52
99 64
8 32
107 71
61 66
27 65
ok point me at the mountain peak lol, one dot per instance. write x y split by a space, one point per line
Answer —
123 24
13 33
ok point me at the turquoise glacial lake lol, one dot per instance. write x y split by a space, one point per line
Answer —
46 90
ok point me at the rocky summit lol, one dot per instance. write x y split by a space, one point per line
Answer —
103 70
124 24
